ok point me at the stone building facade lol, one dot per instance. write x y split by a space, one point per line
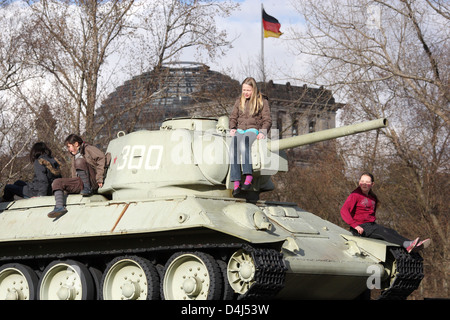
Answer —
191 89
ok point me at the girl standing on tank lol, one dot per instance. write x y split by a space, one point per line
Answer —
358 212
46 169
249 120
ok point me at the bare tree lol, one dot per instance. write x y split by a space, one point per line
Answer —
11 62
70 40
162 30
68 55
372 41
390 59
76 42
166 28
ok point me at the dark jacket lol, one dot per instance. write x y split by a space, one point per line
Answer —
244 120
46 169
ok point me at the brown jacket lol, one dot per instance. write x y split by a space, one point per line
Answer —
96 162
243 120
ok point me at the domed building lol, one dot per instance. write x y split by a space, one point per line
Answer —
146 100
192 89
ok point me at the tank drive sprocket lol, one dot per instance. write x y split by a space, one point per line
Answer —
406 275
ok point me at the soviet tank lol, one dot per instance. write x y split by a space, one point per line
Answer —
165 226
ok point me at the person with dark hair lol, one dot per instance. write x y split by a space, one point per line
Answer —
46 169
88 166
359 210
249 120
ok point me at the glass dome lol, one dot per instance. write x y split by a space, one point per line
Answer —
144 101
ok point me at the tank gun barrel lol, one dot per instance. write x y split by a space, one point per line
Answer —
328 134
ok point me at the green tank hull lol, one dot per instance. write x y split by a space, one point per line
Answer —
165 226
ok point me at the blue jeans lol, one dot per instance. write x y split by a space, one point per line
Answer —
241 145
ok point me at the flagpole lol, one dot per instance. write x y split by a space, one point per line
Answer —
262 47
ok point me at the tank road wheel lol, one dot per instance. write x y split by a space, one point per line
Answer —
130 278
17 282
66 280
191 276
228 292
97 278
241 271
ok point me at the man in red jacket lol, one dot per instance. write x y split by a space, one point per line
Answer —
359 210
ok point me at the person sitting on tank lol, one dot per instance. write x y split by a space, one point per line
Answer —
359 210
88 165
46 169
249 120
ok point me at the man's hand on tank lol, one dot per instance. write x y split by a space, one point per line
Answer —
359 229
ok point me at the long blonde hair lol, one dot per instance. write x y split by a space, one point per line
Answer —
256 99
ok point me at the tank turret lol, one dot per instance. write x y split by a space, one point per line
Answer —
190 156
165 226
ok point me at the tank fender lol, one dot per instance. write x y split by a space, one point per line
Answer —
367 246
248 215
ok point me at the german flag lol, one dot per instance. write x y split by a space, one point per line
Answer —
271 26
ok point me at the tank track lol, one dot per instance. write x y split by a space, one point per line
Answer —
269 276
409 274
270 267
